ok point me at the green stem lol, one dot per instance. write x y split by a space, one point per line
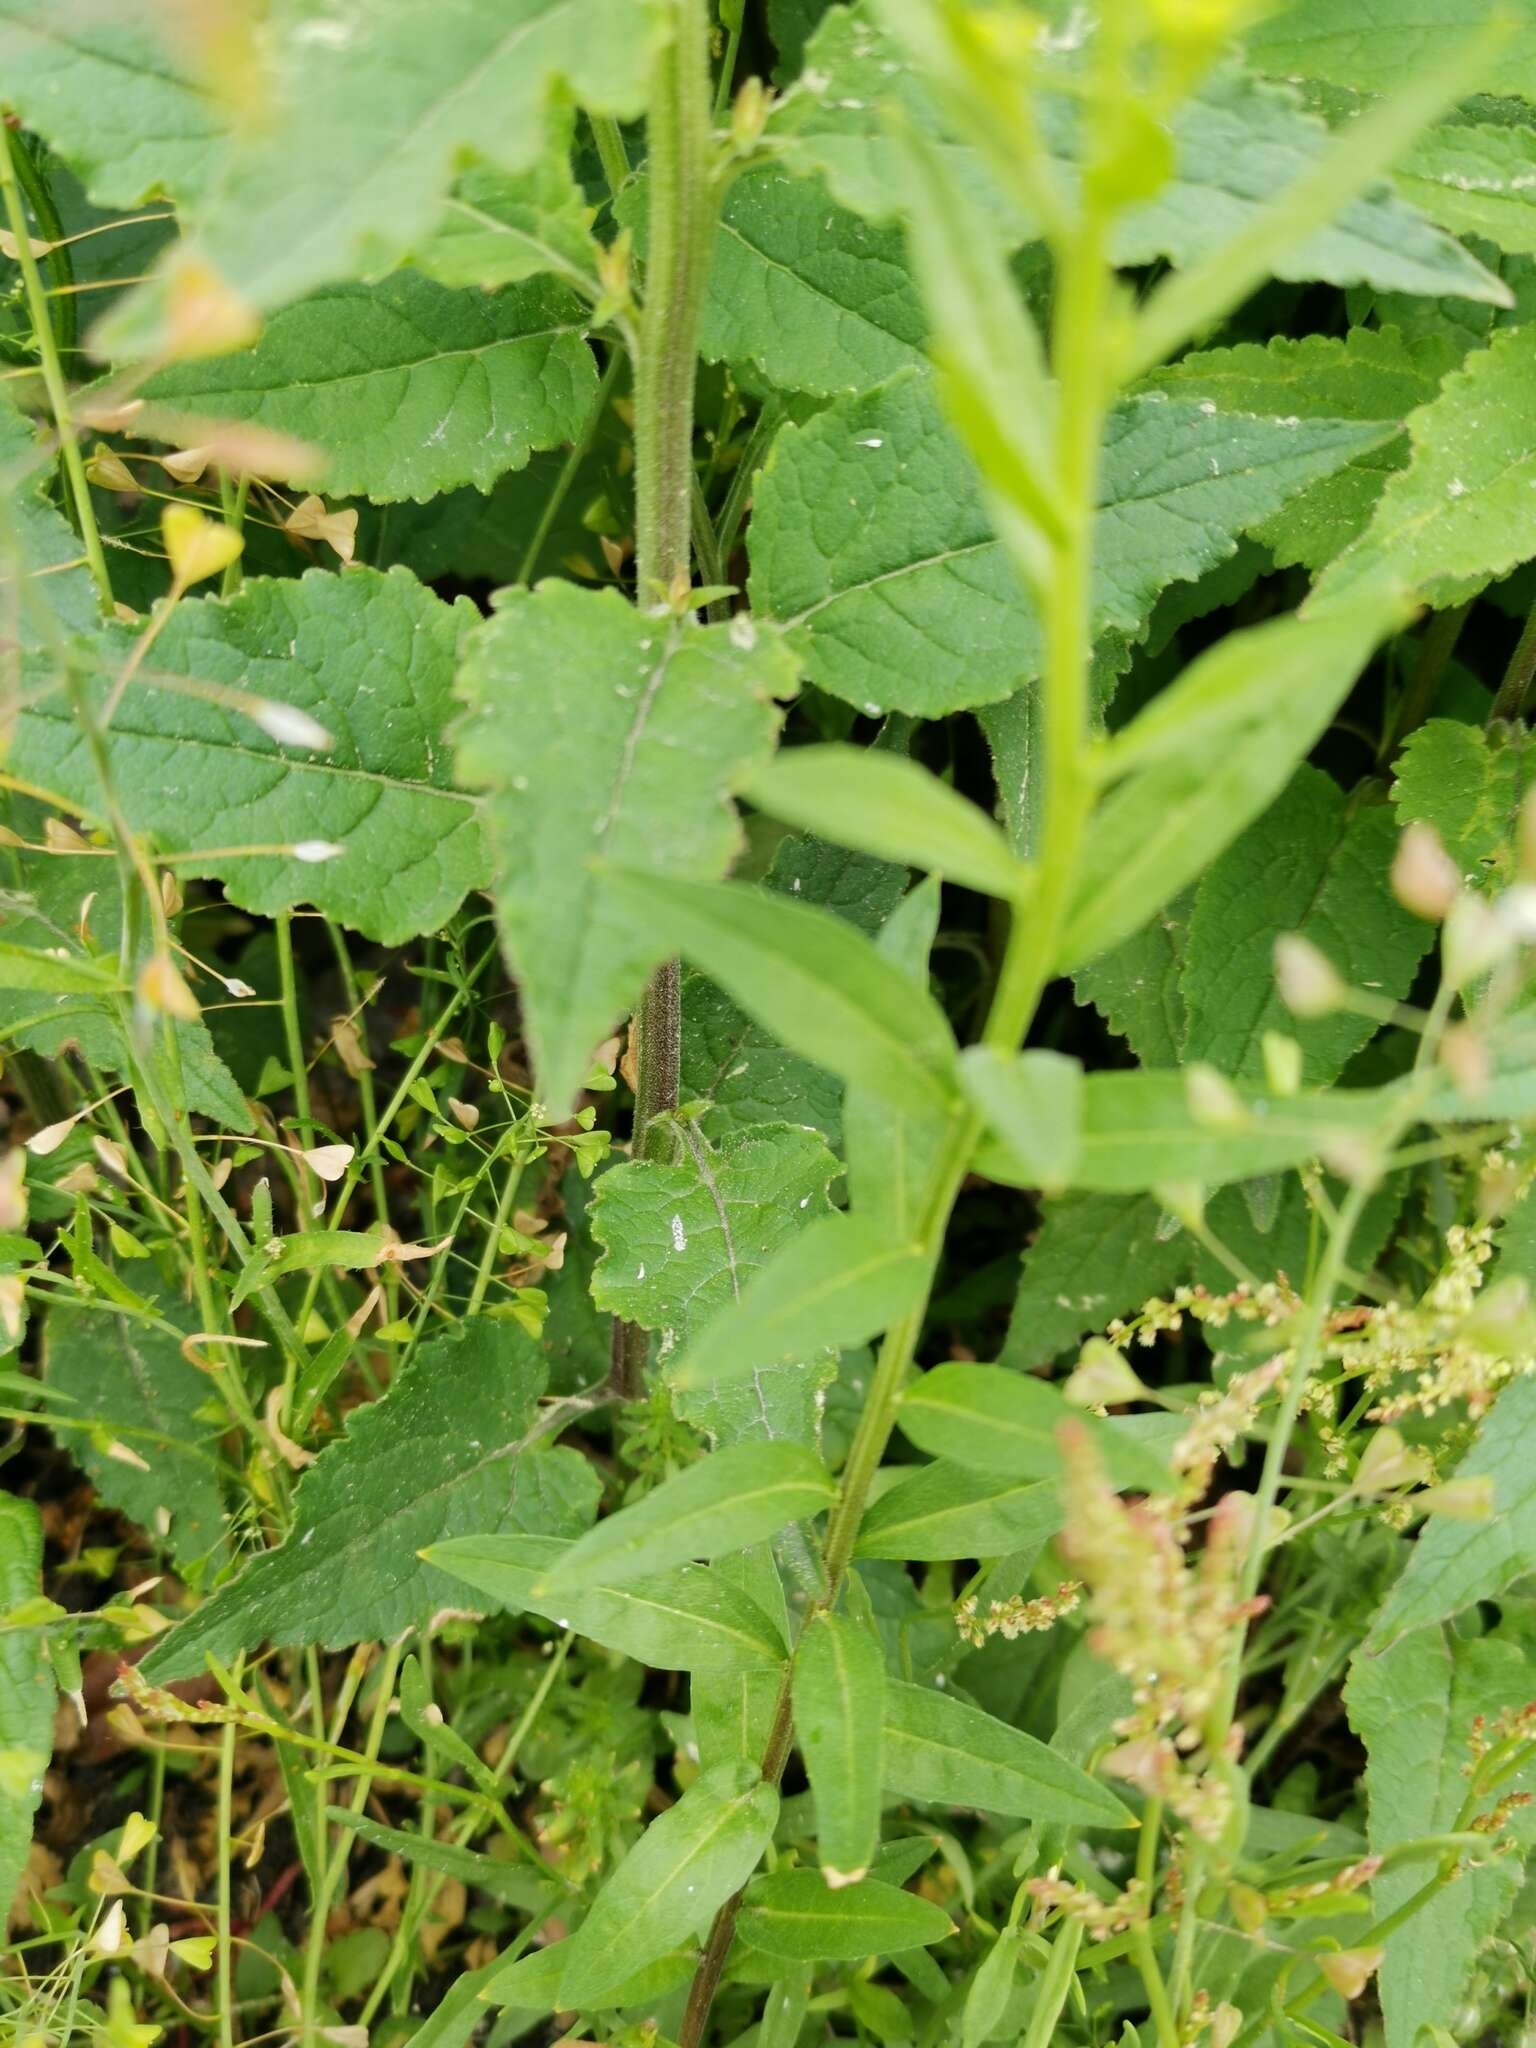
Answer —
53 374
228 1736
738 11
612 154
1516 685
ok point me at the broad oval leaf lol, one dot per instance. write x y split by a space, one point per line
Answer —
798 1916
839 1703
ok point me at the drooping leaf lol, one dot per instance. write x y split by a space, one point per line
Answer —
433 1458
1097 1256
1315 863
1470 787
1456 1563
730 1062
406 388
379 118
371 658
946 1753
797 1915
871 547
992 1420
1463 511
1413 1707
26 1690
839 1704
688 1862
946 1509
147 1453
1206 757
741 1495
820 987
606 738
690 1619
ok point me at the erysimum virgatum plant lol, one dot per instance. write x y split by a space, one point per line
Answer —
766 1243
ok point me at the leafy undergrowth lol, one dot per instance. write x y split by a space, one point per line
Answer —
766 1222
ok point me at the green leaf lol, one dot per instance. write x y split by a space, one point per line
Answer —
312 1251
405 387
797 1916
945 1510
1033 1101
839 1703
740 1070
607 738
839 1283
945 1753
147 1453
26 1690
371 657
1454 1563
1469 785
1475 180
430 1459
498 230
1464 510
1360 44
379 119
884 804
1317 862
1367 374
1413 1708
871 546
1206 757
689 1861
737 1497
691 1619
1135 986
505 1881
992 1420
22 969
42 564
110 93
821 988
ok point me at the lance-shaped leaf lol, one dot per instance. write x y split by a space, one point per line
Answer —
431 1458
380 115
113 95
682 1243
798 1916
688 1862
992 1420
606 738
945 1509
368 656
946 1753
691 1619
737 1497
839 1702
840 1283
870 543
820 987
406 388
26 1689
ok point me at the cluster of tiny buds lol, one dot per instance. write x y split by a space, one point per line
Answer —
1100 1917
1017 1616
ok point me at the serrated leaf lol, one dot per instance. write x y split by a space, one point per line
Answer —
740 1070
797 1916
1464 510
820 987
130 1382
1367 374
379 117
1413 1708
947 1510
1207 756
406 388
1135 985
371 657
871 547
1469 785
26 1690
607 738
112 94
992 1420
691 1619
839 1283
43 575
1454 1563
1475 179
839 1705
1318 864
946 1753
688 1862
1097 1256
432 1458
738 1496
